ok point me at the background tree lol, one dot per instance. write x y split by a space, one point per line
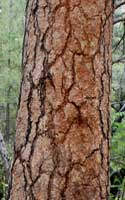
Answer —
62 137
118 104
11 37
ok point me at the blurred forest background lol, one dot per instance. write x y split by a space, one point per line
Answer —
12 21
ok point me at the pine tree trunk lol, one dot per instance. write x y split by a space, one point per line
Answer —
63 128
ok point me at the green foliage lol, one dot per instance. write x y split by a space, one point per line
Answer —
118 100
118 144
3 185
11 40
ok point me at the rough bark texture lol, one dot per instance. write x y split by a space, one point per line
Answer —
62 137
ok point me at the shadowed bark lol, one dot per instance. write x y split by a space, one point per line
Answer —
62 137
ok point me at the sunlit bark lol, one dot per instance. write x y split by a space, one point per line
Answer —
62 137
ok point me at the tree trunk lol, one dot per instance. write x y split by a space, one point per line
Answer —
63 128
7 128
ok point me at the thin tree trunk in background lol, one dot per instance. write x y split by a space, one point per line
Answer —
63 122
7 128
7 131
7 122
5 157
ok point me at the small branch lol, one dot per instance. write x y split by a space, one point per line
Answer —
117 161
119 5
118 119
120 60
122 109
119 42
118 21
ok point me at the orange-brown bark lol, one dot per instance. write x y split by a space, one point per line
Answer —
62 137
